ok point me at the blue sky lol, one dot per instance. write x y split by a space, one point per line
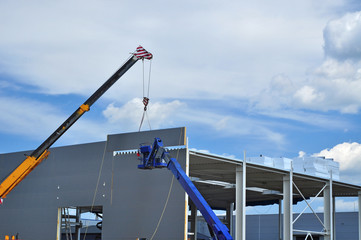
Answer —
274 78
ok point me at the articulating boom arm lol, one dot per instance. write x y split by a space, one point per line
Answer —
42 152
158 157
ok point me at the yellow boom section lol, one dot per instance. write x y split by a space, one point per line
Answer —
20 173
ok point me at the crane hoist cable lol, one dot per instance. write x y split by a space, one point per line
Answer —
146 96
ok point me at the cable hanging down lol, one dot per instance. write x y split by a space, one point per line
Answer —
145 96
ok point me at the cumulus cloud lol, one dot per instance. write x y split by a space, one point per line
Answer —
201 49
332 85
342 37
347 154
349 157
128 116
336 83
308 95
334 69
277 94
231 56
37 120
177 113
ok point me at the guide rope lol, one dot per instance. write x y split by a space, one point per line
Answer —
96 187
169 192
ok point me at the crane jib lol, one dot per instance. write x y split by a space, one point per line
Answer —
42 152
80 111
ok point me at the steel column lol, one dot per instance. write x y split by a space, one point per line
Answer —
359 215
229 217
77 226
186 198
193 221
328 213
287 207
241 201
334 217
280 219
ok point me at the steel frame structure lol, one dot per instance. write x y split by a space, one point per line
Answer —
283 185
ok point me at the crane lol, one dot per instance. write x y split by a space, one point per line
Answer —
156 156
42 152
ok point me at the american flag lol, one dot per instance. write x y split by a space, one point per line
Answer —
141 53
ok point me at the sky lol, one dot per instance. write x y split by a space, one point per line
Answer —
278 78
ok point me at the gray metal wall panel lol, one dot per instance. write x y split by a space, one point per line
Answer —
68 178
266 226
261 227
140 196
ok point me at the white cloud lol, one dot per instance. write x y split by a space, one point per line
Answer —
177 113
200 150
301 154
308 95
347 154
129 115
336 83
340 82
346 206
234 52
229 51
201 49
333 85
218 55
208 152
342 37
320 209
333 69
37 120
310 118
342 205
349 157
24 117
32 119
276 95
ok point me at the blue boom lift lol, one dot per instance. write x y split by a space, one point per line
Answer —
156 156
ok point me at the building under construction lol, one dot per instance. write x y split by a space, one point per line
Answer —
102 180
